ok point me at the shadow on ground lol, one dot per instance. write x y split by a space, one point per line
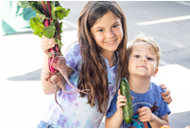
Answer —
31 76
178 120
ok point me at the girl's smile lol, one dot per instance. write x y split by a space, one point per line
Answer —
111 42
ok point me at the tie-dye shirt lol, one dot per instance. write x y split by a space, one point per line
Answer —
77 113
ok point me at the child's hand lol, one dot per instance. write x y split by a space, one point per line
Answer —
145 114
121 101
46 44
166 95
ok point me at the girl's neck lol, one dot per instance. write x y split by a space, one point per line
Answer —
139 84
109 56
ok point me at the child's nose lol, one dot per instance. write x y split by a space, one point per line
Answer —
143 60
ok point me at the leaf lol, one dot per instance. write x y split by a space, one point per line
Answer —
50 55
49 31
59 12
55 3
60 27
24 4
37 8
39 33
41 16
36 24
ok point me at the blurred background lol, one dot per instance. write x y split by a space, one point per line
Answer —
22 99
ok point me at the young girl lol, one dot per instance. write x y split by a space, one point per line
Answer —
96 62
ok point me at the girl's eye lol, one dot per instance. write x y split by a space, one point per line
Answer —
137 56
100 30
115 26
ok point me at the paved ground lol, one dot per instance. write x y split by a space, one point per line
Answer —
23 101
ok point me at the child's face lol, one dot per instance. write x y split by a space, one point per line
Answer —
142 60
107 32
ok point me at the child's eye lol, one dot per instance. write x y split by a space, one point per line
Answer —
100 30
137 56
149 58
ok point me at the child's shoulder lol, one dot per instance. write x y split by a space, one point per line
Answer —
156 87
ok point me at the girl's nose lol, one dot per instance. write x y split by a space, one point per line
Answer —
110 34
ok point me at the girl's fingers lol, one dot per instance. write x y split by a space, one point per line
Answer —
167 99
163 86
51 46
166 93
52 39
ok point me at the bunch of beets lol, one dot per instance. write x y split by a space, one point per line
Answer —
46 23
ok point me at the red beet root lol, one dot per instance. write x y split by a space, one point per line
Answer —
59 63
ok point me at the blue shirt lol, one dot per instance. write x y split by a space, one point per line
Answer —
152 99
77 113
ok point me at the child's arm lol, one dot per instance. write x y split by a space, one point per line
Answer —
145 115
47 87
116 120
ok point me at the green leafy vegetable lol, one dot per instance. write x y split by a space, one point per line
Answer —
46 23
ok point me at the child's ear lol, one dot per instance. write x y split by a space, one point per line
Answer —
155 72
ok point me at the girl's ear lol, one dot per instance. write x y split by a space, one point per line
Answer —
155 72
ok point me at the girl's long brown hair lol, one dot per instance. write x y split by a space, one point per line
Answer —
93 74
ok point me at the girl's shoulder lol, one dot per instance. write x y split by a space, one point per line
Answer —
73 47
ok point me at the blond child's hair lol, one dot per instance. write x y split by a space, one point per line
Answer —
142 38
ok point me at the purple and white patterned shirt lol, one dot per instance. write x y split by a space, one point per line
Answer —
77 113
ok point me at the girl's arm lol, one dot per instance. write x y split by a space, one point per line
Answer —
167 94
47 87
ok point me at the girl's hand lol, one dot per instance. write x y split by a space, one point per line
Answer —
166 95
46 44
121 101
145 114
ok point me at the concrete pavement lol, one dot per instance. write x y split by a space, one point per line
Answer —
23 101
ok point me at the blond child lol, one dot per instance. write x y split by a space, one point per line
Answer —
149 108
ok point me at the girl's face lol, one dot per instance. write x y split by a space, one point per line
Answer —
142 60
107 32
